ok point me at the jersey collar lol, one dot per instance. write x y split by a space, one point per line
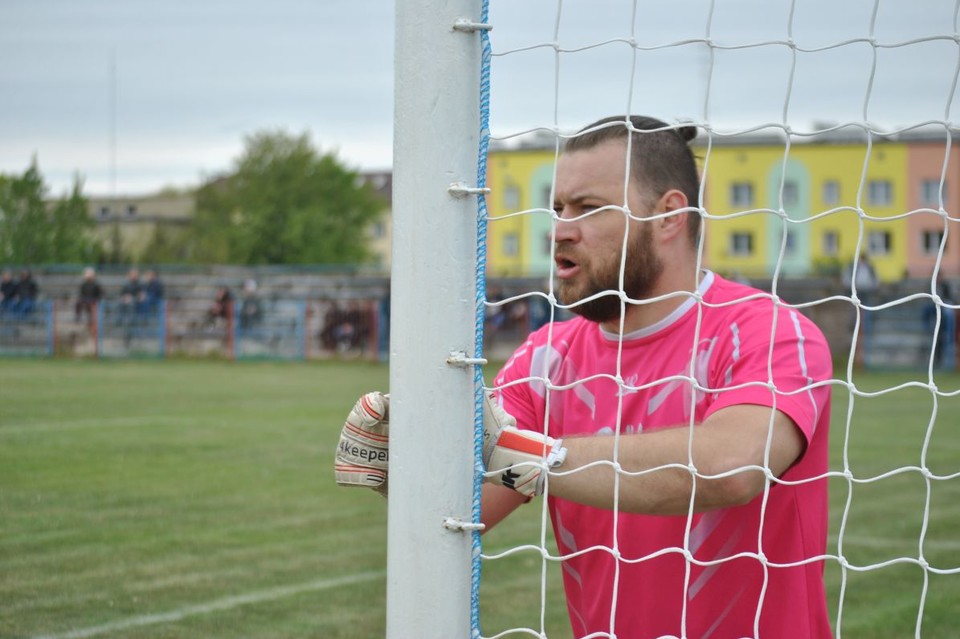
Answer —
705 283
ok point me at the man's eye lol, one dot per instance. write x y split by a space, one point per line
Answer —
574 211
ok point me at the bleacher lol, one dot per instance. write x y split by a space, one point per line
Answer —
294 307
899 330
894 331
308 314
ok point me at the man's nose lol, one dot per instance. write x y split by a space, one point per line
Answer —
565 229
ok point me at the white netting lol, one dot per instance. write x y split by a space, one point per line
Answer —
830 180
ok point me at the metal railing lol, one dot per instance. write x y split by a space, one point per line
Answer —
283 329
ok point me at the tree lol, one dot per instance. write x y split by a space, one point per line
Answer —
284 203
167 246
33 231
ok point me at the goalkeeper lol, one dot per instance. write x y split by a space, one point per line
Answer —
714 520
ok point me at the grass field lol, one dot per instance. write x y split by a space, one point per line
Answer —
195 499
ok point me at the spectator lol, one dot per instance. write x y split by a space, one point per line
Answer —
251 311
357 316
946 333
129 297
89 296
345 329
329 329
540 309
222 306
865 277
8 292
495 315
27 293
862 275
151 295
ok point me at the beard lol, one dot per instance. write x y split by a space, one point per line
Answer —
642 270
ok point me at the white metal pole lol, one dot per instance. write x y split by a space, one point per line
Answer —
436 136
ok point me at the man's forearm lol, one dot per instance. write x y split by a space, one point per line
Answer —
655 468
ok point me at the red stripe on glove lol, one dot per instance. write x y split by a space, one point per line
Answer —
513 440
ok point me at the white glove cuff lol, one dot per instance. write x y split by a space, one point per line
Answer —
557 454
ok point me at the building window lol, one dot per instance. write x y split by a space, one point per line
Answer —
880 192
931 191
741 194
131 209
790 194
831 192
791 244
931 242
879 242
104 211
511 245
511 197
831 243
741 244
546 201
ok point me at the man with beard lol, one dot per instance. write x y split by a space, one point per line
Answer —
679 425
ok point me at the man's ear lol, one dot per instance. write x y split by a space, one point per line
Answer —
672 200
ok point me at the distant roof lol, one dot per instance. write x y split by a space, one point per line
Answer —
818 133
380 181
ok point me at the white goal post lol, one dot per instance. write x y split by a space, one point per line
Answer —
430 537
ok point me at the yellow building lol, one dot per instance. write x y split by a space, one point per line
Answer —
818 193
126 225
379 234
831 196
520 210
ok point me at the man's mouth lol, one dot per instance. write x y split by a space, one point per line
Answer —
565 267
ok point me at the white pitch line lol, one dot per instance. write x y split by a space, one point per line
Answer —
215 606
95 422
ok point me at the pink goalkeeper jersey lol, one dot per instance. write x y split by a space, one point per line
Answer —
645 592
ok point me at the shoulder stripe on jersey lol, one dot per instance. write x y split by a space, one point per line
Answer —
802 358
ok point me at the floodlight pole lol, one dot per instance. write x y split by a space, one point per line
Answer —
436 137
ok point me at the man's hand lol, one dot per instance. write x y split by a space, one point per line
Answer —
515 458
363 452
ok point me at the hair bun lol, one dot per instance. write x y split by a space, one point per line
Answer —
687 133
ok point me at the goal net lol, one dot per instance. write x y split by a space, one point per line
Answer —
829 183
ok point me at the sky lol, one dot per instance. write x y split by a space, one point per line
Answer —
135 96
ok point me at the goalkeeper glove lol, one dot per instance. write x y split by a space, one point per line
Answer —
363 453
515 458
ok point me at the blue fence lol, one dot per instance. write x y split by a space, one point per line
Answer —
898 336
286 329
28 332
904 335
